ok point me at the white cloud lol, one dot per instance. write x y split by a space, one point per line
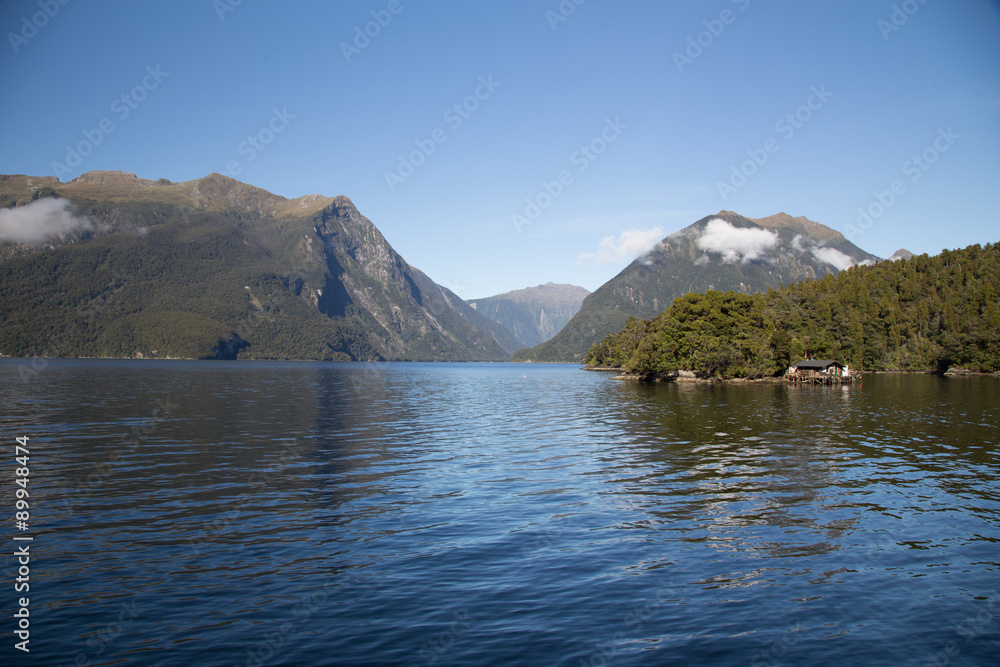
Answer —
628 245
39 220
736 243
833 257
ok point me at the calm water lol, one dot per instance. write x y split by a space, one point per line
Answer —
202 513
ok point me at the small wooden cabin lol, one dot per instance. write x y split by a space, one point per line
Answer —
819 367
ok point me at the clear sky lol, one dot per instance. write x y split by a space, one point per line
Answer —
621 122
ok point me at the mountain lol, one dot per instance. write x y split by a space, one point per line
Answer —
720 252
110 265
917 314
902 253
535 314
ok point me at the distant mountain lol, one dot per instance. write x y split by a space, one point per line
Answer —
535 314
110 265
902 253
720 252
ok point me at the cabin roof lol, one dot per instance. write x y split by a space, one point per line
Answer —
817 363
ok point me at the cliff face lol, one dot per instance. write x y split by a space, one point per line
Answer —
215 267
415 317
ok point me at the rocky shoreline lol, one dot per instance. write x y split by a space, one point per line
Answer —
690 376
693 379
678 376
951 372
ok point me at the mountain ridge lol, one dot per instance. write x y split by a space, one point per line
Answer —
208 192
724 251
917 314
220 267
533 314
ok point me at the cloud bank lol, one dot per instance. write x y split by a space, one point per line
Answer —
735 243
628 245
40 220
833 257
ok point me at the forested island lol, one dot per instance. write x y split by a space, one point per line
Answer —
918 314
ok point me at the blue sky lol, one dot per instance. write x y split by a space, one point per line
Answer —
621 122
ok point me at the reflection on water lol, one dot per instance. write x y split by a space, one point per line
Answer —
293 513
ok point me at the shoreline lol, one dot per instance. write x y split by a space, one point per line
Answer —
633 377
688 376
951 372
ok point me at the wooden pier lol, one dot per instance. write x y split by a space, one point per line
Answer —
821 371
809 377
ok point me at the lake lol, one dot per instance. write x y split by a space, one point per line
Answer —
242 513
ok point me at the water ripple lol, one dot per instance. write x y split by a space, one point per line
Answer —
502 514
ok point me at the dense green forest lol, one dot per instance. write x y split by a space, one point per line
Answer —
925 313
117 294
202 285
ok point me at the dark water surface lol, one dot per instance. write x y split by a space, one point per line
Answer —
202 513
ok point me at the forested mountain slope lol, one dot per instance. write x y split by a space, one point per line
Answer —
923 313
725 251
110 265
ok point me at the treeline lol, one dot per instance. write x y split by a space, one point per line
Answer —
924 313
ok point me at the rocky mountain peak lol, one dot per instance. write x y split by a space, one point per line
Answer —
800 223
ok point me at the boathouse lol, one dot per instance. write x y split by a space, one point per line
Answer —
827 366
819 369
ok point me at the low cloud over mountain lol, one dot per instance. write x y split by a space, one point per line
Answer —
736 243
40 220
834 258
721 252
627 245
